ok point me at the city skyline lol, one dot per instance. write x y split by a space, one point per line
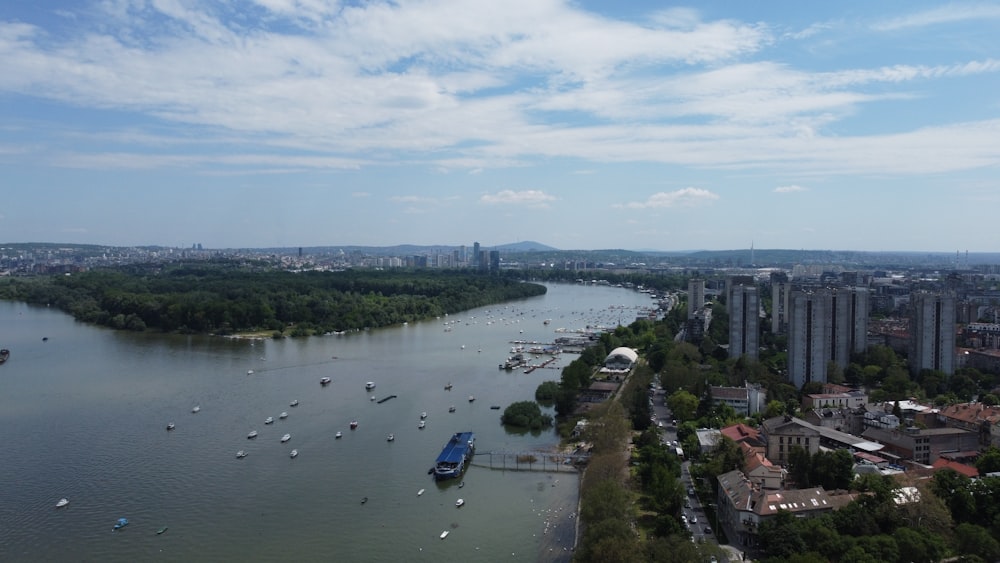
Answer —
578 125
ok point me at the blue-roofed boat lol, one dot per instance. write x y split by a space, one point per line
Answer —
455 456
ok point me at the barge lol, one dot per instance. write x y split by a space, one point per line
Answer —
455 456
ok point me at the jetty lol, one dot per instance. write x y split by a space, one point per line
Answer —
384 399
553 462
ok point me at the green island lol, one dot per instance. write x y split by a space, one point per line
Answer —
238 297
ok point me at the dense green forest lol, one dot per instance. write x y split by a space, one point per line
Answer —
227 297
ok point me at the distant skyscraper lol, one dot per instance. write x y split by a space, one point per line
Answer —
780 291
475 255
808 336
696 296
932 332
743 304
825 325
495 261
849 329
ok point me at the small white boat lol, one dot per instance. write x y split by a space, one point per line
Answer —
241 454
354 425
444 534
338 435
459 502
451 408
421 425
283 415
63 502
269 420
423 415
324 381
249 372
170 426
196 409
252 435
390 438
471 398
286 438
370 385
294 403
373 397
294 453
420 492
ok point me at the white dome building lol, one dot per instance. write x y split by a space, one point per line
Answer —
621 359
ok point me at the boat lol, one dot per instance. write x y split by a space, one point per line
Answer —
444 534
293 454
4 355
495 407
423 415
170 426
283 415
354 425
420 492
471 398
451 408
161 530
338 435
462 484
447 387
364 500
269 420
294 403
249 372
422 424
390 438
324 381
122 522
241 454
459 502
196 409
286 438
62 502
370 385
373 397
252 435
455 455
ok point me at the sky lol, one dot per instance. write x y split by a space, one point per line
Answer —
576 124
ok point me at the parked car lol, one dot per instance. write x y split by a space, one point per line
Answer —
708 530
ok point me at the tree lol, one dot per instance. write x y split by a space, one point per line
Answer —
989 462
683 405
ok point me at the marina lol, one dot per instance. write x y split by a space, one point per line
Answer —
90 398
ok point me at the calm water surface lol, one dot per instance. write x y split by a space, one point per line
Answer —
83 416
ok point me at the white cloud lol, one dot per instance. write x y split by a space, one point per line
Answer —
788 189
531 198
685 197
951 13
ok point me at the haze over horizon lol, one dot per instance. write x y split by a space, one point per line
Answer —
579 125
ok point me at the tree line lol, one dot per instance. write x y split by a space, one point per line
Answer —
227 297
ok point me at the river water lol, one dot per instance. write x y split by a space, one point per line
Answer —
83 412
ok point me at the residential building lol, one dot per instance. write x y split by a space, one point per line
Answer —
825 325
932 332
747 400
744 318
781 289
696 297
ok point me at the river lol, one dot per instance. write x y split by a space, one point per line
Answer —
83 415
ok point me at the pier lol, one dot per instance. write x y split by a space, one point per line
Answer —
553 462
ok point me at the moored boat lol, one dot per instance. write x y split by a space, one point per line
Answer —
455 455
170 426
294 403
4 355
422 425
459 502
196 409
252 435
241 454
283 415
423 415
338 435
451 408
62 502
286 438
294 454
161 530
354 425
390 438
370 385
444 534
269 420
122 522
324 381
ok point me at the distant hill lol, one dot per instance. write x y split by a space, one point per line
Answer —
524 246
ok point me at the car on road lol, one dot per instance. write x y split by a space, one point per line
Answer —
694 519
708 530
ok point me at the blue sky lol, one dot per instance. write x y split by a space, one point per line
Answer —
581 125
